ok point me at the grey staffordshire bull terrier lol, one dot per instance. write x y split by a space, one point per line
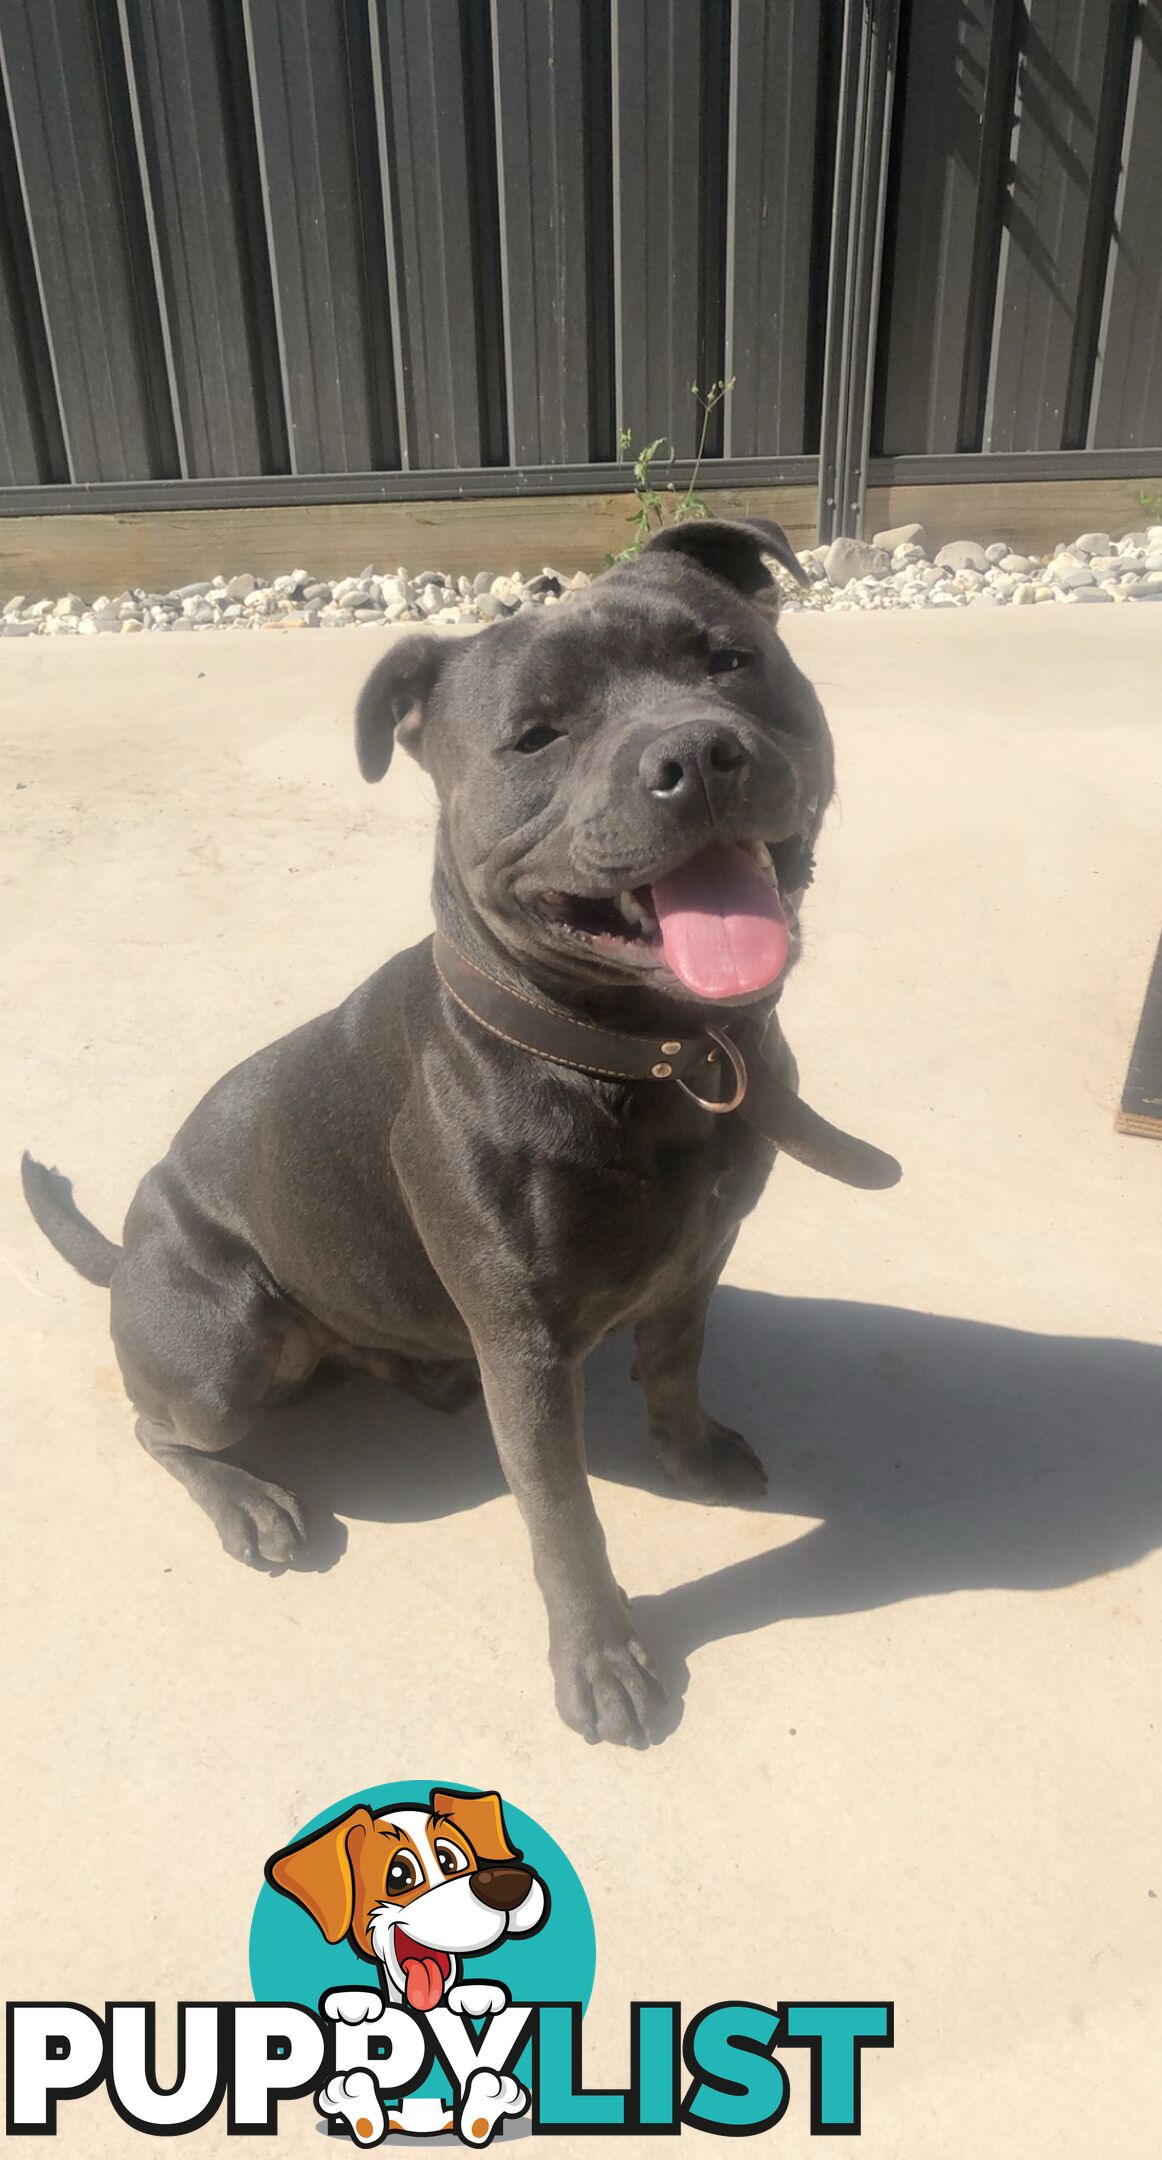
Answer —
473 1171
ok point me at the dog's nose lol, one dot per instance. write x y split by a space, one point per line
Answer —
503 1888
693 761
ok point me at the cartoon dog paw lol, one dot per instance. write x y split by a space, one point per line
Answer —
488 2098
478 1998
352 2006
354 2099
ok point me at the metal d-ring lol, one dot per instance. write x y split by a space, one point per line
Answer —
738 1063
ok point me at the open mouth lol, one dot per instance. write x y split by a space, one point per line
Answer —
720 922
426 1972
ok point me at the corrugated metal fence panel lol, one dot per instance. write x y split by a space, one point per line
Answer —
30 448
253 238
311 74
65 83
1057 211
943 224
198 154
552 105
778 142
1009 223
670 106
1127 405
446 243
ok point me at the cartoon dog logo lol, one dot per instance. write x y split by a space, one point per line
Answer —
416 1890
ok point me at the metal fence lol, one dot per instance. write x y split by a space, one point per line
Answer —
320 250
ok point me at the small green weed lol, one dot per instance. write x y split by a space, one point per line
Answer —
658 502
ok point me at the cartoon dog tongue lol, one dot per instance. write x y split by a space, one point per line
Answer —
423 1981
724 933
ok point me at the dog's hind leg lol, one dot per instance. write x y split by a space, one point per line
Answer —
255 1519
703 1459
199 1357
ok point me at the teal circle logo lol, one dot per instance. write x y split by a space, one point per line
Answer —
292 1961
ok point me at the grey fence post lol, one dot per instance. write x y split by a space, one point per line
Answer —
863 142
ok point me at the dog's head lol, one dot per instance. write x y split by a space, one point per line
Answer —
631 785
415 1889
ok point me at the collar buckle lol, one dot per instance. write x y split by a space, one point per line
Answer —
741 1076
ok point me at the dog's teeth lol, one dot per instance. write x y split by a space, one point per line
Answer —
634 912
761 854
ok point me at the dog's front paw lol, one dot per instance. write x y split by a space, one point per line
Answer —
354 2100
477 1998
352 2006
608 1687
488 2097
719 1470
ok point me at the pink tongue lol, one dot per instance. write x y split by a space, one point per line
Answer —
424 1982
724 933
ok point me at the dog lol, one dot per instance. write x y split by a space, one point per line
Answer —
450 1870
415 1891
508 1145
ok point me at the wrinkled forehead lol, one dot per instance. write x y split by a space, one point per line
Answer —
590 649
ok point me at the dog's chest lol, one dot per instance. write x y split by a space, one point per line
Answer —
637 1222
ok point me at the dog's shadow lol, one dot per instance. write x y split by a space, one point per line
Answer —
930 1455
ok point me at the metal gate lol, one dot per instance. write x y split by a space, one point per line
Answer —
298 251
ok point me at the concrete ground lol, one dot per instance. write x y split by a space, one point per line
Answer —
919 1755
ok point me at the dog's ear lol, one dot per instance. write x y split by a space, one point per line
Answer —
319 1872
480 1817
392 700
733 549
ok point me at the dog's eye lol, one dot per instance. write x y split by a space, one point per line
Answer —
537 738
729 660
452 1860
403 1874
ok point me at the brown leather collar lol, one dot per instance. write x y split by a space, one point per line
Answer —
722 1069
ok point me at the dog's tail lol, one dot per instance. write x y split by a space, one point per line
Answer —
50 1197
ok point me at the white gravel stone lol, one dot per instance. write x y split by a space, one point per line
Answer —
848 559
898 536
962 555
